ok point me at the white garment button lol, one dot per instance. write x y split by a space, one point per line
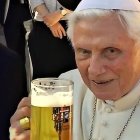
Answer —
101 138
108 110
104 123
94 139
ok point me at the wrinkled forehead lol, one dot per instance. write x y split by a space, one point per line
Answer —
110 22
107 29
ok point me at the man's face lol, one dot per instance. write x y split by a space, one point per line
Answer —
107 58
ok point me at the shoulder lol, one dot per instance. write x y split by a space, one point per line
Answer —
75 76
79 86
72 74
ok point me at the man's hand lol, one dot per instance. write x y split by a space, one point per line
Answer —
16 130
58 30
52 18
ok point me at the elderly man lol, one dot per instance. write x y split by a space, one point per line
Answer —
106 38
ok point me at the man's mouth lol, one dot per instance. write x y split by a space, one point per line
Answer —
102 82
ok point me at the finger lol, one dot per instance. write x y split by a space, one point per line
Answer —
56 33
26 101
60 34
63 31
53 32
21 113
16 129
25 135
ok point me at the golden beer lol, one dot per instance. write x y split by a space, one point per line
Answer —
51 123
51 114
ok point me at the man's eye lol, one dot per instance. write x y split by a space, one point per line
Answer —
111 52
82 53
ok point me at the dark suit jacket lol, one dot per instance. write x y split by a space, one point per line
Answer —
13 26
12 88
2 10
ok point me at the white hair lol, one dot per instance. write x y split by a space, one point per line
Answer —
130 20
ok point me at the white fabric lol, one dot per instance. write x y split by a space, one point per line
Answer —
110 118
6 9
132 5
28 25
52 5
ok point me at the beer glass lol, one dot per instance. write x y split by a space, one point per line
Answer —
51 109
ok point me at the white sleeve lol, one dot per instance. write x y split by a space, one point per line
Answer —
35 3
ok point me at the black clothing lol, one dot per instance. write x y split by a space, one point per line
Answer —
2 9
12 88
69 4
14 29
50 55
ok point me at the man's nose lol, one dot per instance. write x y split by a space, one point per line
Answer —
96 65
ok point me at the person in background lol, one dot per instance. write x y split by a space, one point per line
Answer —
2 7
15 13
51 52
107 81
12 87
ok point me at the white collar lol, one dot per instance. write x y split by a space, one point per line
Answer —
127 101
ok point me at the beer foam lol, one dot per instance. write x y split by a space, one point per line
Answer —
58 99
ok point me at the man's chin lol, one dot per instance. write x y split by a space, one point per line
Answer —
104 95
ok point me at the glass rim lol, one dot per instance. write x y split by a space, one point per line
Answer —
34 82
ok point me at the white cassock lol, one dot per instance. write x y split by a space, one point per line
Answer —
110 117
